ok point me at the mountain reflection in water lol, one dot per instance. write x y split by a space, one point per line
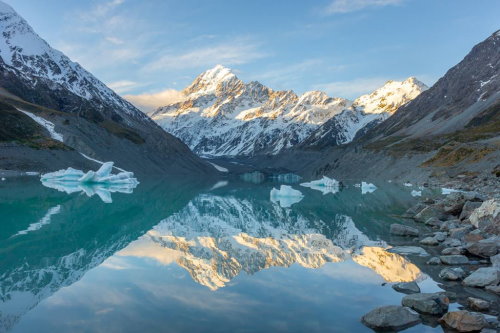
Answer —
214 233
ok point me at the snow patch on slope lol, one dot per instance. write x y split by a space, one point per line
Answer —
49 126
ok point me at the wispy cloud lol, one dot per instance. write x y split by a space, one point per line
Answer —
347 6
236 52
123 86
353 88
151 101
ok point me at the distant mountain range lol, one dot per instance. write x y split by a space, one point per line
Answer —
87 116
223 116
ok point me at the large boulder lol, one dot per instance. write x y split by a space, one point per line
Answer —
484 248
454 203
454 259
428 303
390 318
464 321
403 230
428 212
452 274
478 304
482 277
487 216
495 261
468 208
406 287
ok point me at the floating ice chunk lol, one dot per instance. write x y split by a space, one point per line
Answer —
101 182
367 188
286 196
447 191
416 193
32 173
325 185
219 184
408 184
219 168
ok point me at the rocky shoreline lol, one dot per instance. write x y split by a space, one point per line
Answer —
456 240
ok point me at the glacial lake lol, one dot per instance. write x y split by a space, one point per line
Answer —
192 257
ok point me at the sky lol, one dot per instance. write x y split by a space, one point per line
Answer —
147 50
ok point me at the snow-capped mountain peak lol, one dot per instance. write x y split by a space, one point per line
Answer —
390 96
219 78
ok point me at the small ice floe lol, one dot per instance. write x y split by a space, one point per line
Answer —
408 184
286 196
446 191
416 193
325 185
32 173
100 182
367 188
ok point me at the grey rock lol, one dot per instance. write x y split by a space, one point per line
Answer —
482 277
403 230
484 248
478 304
459 233
434 261
390 317
453 250
428 212
448 225
440 236
493 289
434 221
409 250
487 216
454 259
428 303
495 261
452 274
468 208
412 211
429 241
406 287
452 242
464 321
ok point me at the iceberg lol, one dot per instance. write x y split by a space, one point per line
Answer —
286 196
416 193
325 185
367 188
446 191
101 182
408 184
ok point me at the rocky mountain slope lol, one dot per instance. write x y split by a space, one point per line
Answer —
450 129
89 117
223 116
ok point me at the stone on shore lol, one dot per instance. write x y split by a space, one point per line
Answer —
482 277
487 216
429 241
403 230
468 208
454 259
484 248
428 212
478 304
495 261
390 317
453 250
452 274
409 250
464 321
434 261
406 287
428 303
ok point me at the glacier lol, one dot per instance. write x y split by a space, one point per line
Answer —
101 182
325 185
286 196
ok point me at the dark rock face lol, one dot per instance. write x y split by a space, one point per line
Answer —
391 318
434 304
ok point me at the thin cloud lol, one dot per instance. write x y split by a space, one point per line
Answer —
123 86
233 53
151 101
347 6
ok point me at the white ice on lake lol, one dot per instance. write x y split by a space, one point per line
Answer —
416 193
367 188
325 185
286 196
100 182
446 191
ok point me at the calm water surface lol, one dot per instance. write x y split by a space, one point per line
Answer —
188 257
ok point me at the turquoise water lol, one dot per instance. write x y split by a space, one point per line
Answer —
195 257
